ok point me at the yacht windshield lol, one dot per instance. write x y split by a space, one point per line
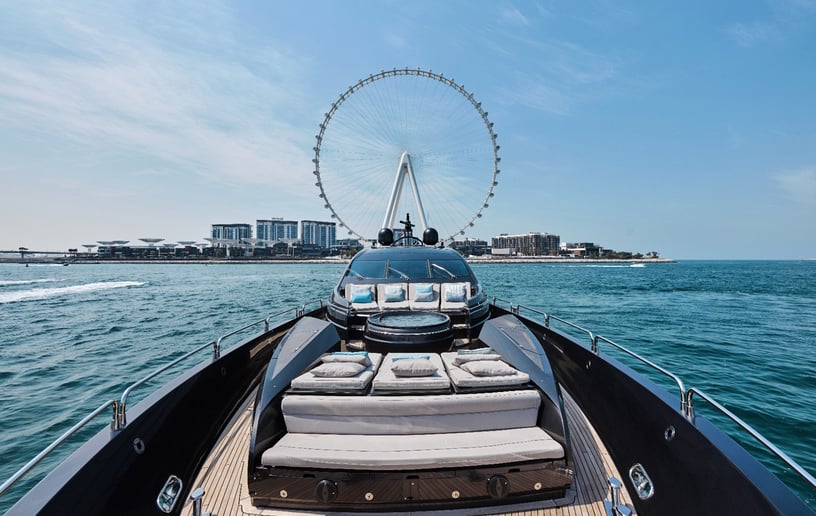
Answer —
409 269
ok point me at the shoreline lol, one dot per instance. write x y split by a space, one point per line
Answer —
325 261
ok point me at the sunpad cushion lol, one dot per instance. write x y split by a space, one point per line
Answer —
465 380
309 382
387 381
410 414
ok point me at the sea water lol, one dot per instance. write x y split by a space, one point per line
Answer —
73 337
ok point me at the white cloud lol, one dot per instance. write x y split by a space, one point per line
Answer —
799 185
513 16
752 34
113 88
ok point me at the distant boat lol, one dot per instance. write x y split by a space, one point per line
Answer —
638 265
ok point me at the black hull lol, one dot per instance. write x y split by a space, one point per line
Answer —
699 471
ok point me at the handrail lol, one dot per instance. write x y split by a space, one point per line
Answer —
755 434
8 484
595 349
686 395
119 419
216 345
684 408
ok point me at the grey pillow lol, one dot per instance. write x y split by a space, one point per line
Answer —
488 368
412 367
338 369
359 358
463 359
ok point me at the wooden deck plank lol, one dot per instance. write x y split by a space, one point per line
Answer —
223 475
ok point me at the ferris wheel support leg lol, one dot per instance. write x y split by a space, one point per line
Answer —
404 170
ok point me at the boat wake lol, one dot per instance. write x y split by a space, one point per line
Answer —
7 283
46 293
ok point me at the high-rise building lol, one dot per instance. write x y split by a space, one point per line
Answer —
236 232
321 234
276 230
531 244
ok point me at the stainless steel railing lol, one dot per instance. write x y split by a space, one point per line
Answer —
54 445
119 419
686 395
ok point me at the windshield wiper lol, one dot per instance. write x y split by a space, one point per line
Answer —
446 271
401 274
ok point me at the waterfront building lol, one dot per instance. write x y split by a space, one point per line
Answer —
470 246
321 234
530 244
233 232
581 249
276 230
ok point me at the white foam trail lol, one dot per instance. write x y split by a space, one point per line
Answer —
45 293
4 283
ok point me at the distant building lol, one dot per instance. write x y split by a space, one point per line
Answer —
581 249
321 234
470 246
236 232
530 244
276 230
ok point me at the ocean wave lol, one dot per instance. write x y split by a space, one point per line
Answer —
45 293
7 283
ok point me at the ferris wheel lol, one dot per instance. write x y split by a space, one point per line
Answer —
406 141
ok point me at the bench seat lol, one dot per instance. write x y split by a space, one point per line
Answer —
412 452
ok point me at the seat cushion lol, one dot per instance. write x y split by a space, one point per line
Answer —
400 415
309 382
463 379
386 381
412 452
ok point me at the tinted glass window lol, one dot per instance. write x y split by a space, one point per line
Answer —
408 269
367 269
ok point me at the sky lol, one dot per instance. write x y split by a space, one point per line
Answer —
686 128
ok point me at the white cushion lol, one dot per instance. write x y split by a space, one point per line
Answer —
422 451
410 414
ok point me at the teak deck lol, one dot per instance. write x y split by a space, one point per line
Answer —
224 477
